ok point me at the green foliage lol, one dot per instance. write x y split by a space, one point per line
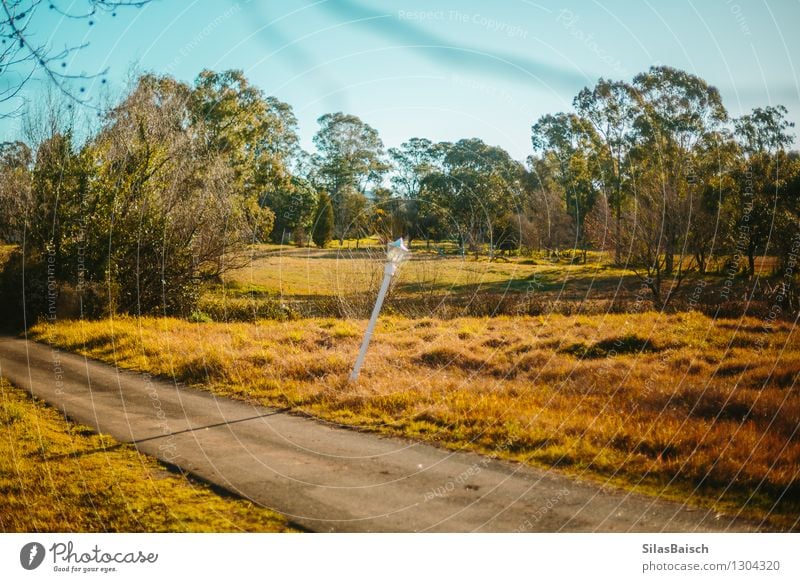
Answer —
293 205
162 199
478 184
179 179
241 308
256 134
350 159
569 145
763 198
15 161
23 288
322 229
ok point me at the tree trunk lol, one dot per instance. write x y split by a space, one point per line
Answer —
700 257
618 209
655 289
669 258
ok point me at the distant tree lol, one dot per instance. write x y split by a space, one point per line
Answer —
787 218
353 215
388 219
759 189
609 108
764 130
294 205
412 162
545 224
675 111
478 185
322 227
507 235
709 176
350 158
567 144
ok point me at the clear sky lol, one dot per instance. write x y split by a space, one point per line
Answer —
443 69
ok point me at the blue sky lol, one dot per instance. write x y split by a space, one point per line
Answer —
442 69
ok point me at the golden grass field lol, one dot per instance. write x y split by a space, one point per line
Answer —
57 476
682 406
340 272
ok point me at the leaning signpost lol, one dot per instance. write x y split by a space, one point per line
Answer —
396 253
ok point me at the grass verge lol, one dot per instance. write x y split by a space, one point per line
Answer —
58 476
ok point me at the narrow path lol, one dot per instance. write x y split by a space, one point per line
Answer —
326 478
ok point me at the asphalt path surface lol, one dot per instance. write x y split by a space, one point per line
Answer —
329 478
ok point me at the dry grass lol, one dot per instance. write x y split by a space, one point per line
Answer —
56 476
680 406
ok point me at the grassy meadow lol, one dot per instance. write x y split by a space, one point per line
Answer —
683 406
289 282
58 476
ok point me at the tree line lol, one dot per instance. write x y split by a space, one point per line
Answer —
173 182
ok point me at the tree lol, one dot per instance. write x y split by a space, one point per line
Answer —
413 162
15 189
179 194
674 112
388 219
708 174
545 224
254 133
58 183
609 108
22 55
353 215
787 217
764 130
350 159
322 228
294 205
30 276
479 185
756 196
566 143
153 205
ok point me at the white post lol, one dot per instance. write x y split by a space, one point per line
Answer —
388 273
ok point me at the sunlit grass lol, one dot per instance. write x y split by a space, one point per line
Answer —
5 251
57 476
335 271
683 406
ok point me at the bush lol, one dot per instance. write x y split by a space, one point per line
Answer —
245 308
23 291
322 230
